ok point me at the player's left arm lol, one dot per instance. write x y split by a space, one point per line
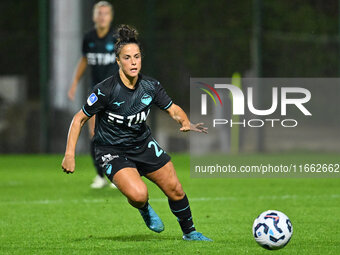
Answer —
180 116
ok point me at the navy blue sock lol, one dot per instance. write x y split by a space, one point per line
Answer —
95 163
181 209
145 207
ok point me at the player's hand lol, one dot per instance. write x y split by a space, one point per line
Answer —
68 164
71 93
195 127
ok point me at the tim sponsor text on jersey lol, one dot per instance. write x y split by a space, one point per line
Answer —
100 58
132 119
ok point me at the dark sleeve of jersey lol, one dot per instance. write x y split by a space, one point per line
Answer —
85 47
97 101
161 99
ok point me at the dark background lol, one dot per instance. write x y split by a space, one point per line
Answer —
183 39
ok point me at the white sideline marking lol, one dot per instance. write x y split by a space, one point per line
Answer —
196 199
47 201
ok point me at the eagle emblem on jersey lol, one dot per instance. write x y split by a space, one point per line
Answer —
146 99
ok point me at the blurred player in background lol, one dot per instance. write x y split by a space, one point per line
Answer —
98 52
125 147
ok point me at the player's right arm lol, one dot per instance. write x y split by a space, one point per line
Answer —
95 103
80 69
77 123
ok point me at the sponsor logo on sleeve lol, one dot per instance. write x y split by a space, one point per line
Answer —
100 93
92 99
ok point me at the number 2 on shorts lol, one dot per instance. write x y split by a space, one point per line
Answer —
158 151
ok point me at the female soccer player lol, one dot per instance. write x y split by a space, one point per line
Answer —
125 147
98 52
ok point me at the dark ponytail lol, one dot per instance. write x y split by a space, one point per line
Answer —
126 35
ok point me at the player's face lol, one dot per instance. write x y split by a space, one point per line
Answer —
130 60
102 16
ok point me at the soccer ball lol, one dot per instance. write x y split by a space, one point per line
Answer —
272 230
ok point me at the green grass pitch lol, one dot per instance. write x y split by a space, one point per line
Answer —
44 211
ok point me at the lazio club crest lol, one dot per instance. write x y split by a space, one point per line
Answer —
146 99
109 46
